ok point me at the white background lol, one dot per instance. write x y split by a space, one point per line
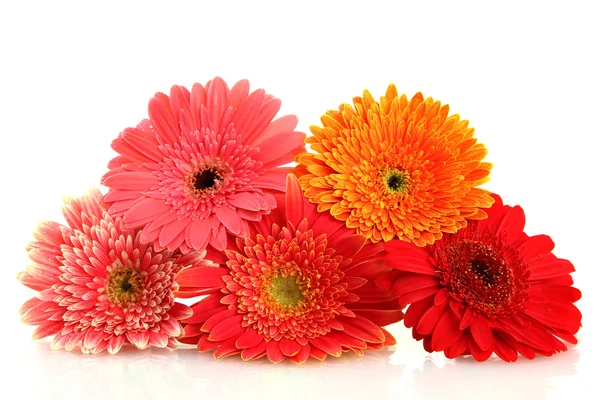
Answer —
524 73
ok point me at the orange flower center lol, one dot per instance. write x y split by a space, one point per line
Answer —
124 285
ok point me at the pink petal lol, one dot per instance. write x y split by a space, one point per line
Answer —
171 231
115 343
141 181
162 120
229 218
279 145
138 339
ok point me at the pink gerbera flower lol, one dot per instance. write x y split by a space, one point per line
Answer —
300 285
202 166
99 286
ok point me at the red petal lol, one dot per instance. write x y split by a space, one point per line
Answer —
326 344
317 353
250 338
430 319
410 282
302 355
535 247
415 311
274 354
409 264
550 267
227 348
217 318
226 328
180 311
294 201
380 317
504 350
479 354
481 332
511 227
289 347
206 345
252 353
202 277
446 332
459 346
362 328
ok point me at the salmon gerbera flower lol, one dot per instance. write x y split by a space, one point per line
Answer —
300 285
99 286
487 289
204 164
397 168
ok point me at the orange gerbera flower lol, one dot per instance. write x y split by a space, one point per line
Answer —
396 168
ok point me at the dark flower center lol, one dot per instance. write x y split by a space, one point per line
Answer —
206 179
124 285
286 290
396 181
480 268
482 271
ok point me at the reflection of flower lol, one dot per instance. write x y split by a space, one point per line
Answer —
398 168
491 380
230 379
130 374
487 289
99 287
202 166
300 285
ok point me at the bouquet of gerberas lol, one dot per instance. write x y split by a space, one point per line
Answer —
384 213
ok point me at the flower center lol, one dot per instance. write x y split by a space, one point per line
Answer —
396 181
480 268
286 290
206 179
124 285
481 271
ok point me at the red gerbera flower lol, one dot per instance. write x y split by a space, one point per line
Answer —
99 287
488 288
300 285
202 166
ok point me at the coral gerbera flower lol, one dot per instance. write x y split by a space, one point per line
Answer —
99 287
397 168
300 285
487 289
202 166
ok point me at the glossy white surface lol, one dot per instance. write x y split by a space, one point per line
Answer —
73 74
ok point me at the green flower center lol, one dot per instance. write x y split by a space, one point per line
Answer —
286 290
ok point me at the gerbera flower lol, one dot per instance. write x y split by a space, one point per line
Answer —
300 285
99 286
487 289
202 166
397 168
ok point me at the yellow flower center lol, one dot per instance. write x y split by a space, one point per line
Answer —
124 285
286 291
